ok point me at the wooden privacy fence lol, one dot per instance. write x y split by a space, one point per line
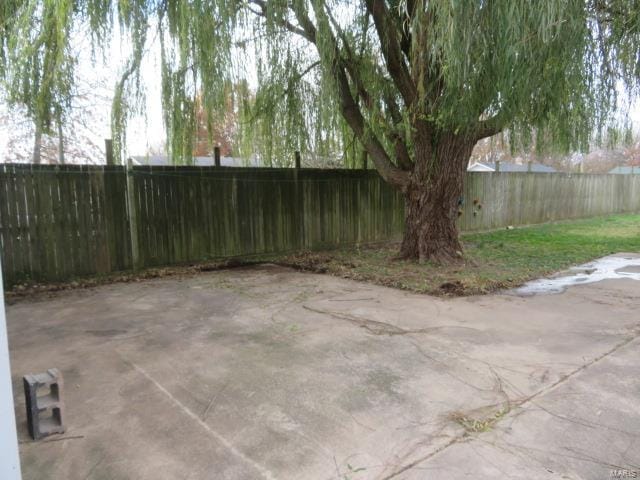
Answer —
529 198
60 222
191 213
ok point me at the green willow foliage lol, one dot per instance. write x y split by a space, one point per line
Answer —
553 67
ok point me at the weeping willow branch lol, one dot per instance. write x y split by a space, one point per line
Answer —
120 109
388 69
391 50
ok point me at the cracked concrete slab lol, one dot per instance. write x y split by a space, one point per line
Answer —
270 373
586 428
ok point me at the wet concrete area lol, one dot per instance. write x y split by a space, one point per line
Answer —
612 267
270 373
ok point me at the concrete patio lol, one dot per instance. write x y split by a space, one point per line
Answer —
270 373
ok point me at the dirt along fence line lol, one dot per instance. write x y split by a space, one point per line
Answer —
61 222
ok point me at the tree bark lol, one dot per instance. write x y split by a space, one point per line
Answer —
433 198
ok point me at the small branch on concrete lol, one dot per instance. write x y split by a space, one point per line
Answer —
60 439
212 401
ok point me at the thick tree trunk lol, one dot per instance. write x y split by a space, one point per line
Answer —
433 199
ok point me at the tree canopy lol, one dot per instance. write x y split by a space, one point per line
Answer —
337 73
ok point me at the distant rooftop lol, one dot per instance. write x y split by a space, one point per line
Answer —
163 160
625 170
509 167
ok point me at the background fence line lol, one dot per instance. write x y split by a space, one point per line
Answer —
61 222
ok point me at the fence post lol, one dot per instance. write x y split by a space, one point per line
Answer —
529 166
216 156
497 165
133 217
298 208
364 159
108 148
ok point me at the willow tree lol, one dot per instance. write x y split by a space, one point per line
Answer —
416 83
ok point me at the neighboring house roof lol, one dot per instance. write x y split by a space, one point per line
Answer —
160 160
625 170
479 167
509 167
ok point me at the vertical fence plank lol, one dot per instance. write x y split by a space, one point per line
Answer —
18 206
6 228
133 208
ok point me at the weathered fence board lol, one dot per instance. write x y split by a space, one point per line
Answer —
529 198
61 222
190 213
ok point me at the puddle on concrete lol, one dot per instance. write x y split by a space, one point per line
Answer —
605 268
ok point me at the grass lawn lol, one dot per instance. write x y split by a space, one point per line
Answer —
493 260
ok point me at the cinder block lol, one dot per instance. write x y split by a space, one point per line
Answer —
43 394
